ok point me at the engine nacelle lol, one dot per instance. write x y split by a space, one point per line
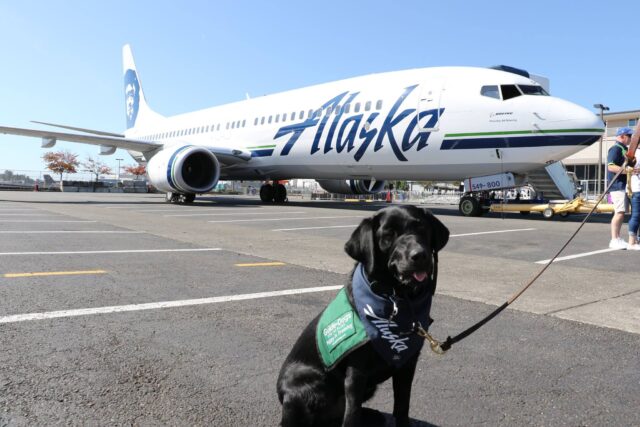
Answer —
351 186
187 169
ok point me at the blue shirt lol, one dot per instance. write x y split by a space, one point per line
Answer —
616 156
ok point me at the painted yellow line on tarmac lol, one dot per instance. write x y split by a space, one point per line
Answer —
54 273
261 264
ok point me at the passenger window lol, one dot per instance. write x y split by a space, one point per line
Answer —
218 126
509 91
293 116
367 106
244 123
277 117
233 125
317 113
346 108
328 110
262 121
379 104
310 113
301 116
356 109
227 125
255 122
270 117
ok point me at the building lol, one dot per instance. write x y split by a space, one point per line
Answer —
585 163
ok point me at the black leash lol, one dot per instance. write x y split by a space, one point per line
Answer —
441 348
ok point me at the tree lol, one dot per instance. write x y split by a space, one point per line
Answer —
61 162
96 167
137 170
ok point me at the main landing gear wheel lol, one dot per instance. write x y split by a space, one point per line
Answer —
266 193
178 198
280 194
547 213
470 206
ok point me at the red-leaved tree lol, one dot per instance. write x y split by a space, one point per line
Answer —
136 170
96 167
61 162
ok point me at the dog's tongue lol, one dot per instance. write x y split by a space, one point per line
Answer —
419 275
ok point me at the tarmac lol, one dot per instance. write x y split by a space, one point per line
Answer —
120 309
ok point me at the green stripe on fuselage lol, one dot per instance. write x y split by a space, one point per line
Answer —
522 132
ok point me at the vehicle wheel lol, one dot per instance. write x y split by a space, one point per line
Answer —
564 214
266 193
525 213
469 206
547 213
280 194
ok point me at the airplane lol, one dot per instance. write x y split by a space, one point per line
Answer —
351 135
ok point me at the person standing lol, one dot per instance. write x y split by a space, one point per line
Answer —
617 190
634 221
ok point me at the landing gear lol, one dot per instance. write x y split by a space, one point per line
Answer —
273 193
266 193
471 205
178 198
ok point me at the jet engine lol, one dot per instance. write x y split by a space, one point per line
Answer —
351 186
188 170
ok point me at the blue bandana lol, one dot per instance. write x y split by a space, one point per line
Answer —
390 321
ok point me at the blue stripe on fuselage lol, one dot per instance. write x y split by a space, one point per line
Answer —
517 141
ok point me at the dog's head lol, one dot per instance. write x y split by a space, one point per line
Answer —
398 245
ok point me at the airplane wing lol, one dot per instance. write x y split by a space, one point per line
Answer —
226 156
85 130
126 143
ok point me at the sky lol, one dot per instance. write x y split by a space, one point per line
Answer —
61 61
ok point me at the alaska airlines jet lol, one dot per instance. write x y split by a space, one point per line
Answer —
448 123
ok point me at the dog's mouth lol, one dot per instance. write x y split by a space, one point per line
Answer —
413 277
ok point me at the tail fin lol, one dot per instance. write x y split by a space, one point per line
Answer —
136 108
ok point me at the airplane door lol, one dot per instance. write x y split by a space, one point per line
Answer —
429 104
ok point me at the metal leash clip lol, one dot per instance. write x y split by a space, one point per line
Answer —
436 346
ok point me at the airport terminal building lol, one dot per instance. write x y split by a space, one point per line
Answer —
585 163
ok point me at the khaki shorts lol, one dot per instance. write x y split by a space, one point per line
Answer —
620 201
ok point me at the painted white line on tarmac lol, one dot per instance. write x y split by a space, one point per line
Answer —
315 228
28 214
286 219
156 305
204 209
492 232
70 232
40 220
238 213
584 254
126 251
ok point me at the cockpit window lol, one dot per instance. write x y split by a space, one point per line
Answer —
490 91
533 90
509 91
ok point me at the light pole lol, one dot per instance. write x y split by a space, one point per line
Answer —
602 109
118 174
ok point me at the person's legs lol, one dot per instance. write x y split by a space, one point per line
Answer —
619 200
634 221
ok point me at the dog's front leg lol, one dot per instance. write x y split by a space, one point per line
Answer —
402 381
355 383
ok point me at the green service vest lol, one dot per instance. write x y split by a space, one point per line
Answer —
339 331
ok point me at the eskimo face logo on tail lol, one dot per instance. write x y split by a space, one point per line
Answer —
132 97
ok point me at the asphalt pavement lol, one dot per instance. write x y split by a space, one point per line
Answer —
119 309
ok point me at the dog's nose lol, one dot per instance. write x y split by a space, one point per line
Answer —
418 254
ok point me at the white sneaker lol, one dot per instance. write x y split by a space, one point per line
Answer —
635 247
618 244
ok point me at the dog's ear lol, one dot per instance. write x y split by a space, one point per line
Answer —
440 233
361 245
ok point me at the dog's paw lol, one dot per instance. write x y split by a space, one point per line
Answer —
373 418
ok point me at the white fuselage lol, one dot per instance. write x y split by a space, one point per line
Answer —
422 124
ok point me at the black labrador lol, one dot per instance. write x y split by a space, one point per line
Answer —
396 253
